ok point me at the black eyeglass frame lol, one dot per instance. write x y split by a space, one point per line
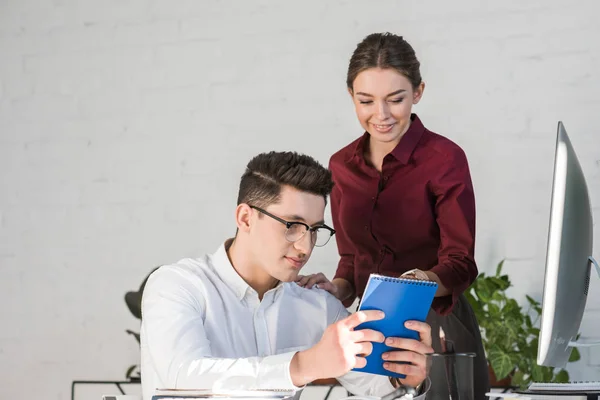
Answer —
289 224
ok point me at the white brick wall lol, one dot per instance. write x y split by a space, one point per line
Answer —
125 125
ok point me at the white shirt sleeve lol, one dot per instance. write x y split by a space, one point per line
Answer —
180 353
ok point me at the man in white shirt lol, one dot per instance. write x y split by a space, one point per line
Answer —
236 319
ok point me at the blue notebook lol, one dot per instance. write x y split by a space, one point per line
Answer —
401 300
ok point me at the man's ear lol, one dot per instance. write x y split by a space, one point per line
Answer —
243 217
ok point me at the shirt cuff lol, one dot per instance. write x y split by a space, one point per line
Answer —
444 305
278 367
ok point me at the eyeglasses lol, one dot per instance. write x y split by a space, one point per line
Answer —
319 235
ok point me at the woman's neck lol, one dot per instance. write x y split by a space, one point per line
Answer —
376 151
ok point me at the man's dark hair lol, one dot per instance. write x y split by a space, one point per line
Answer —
266 173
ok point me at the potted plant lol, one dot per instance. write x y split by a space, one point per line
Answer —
510 333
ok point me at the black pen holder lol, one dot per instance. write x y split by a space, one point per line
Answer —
451 376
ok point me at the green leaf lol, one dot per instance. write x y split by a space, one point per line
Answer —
513 310
532 301
498 296
537 373
499 268
562 377
499 283
518 379
528 322
501 363
575 356
531 349
548 374
494 311
534 331
534 304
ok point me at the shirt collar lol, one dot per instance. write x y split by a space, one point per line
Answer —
224 269
403 149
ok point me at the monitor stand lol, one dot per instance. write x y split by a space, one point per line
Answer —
571 391
593 263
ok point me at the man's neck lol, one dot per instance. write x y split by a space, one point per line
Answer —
255 276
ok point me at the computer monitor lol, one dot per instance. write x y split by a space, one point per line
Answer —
568 257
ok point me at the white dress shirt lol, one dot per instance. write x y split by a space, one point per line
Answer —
204 327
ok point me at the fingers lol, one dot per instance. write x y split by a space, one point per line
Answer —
409 344
416 359
328 286
366 335
360 317
302 279
308 281
360 362
363 349
415 274
413 373
314 279
424 331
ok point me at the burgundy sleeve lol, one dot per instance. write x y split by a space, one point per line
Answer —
345 269
455 215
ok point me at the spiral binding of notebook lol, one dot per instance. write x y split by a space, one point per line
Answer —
404 279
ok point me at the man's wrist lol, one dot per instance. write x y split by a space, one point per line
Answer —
301 372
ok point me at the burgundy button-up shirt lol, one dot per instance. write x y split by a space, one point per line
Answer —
419 212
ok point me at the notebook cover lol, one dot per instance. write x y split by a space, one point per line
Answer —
401 300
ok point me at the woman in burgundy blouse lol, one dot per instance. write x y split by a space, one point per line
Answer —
403 200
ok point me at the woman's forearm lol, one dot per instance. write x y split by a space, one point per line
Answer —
441 290
344 288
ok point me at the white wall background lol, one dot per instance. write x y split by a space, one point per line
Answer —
125 126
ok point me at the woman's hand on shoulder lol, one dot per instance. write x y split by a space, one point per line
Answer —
319 280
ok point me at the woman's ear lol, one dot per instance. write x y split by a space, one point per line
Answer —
418 92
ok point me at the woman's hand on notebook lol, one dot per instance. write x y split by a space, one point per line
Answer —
415 274
427 276
413 353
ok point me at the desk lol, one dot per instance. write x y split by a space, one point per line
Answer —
330 383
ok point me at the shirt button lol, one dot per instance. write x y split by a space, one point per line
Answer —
366 228
385 178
